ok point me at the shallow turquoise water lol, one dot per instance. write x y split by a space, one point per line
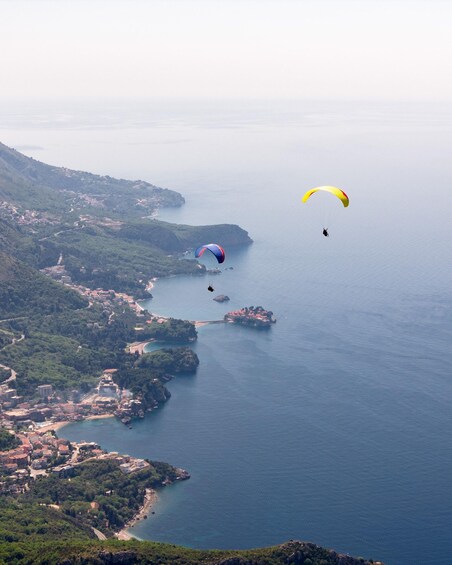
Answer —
335 425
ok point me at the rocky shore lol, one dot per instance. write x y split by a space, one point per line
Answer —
150 499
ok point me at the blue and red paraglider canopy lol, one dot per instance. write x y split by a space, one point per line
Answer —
214 248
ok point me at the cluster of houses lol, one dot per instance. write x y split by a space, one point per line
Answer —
17 413
36 453
84 451
127 464
24 217
110 399
106 399
42 453
14 411
254 316
8 396
107 298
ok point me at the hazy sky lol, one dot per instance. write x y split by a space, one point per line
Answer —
398 49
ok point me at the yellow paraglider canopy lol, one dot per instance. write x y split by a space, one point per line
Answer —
333 189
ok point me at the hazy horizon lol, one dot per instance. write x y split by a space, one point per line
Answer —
396 50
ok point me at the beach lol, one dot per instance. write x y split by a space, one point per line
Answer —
150 284
150 500
54 426
138 347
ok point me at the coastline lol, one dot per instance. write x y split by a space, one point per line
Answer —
151 283
150 499
151 496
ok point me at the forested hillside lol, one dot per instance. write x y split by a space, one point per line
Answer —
102 230
26 292
32 184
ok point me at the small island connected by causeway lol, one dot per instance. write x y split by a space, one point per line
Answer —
251 316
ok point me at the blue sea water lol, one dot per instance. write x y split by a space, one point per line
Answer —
335 426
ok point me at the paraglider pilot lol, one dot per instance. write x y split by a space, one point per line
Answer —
210 288
325 232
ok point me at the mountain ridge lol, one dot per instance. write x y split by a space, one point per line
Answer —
36 179
102 229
